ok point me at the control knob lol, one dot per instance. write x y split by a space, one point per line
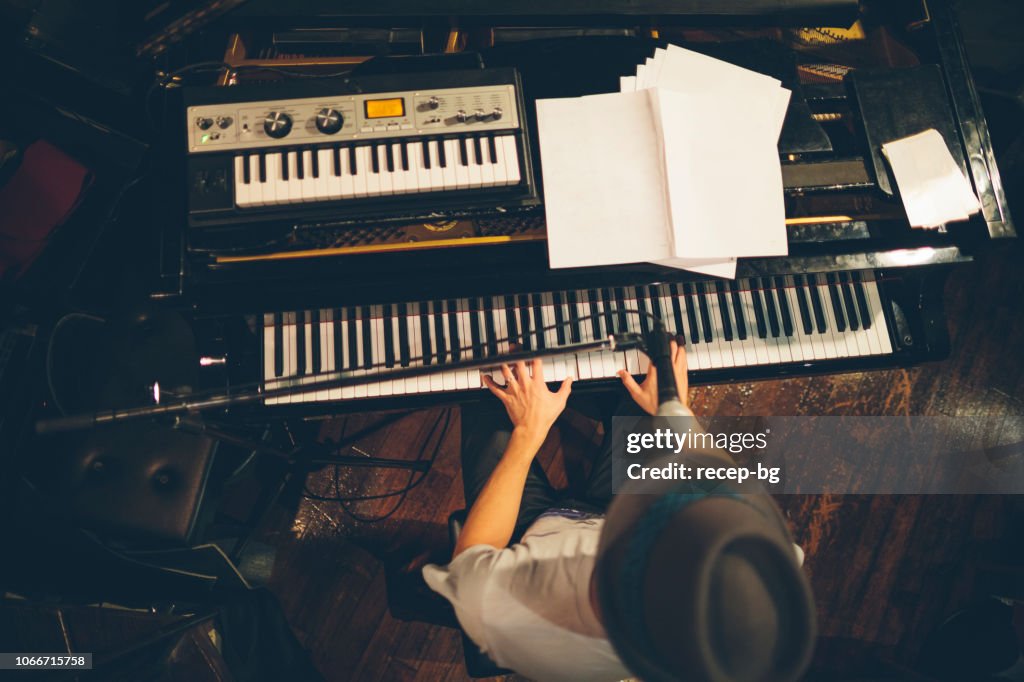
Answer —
277 124
329 121
496 113
461 116
479 114
204 123
433 102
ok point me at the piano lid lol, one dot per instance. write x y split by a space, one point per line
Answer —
528 12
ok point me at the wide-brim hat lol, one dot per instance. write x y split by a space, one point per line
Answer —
700 581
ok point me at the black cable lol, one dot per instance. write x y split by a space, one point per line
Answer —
401 493
462 349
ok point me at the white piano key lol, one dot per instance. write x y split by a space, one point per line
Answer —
324 190
242 195
384 387
398 175
511 153
831 338
267 348
361 391
307 185
878 323
487 165
760 346
293 184
803 344
449 178
416 178
364 159
274 189
719 349
436 380
387 177
453 149
475 167
500 170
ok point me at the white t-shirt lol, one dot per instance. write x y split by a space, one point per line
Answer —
528 606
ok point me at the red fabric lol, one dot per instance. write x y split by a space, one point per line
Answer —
42 194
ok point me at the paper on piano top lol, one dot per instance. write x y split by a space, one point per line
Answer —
746 158
932 186
604 183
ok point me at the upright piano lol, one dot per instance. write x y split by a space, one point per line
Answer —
361 193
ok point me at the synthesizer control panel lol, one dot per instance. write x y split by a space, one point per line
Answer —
348 118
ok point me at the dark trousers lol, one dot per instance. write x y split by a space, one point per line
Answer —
486 431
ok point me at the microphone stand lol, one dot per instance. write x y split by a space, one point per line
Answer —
332 380
660 354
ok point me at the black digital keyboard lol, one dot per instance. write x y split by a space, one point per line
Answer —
386 148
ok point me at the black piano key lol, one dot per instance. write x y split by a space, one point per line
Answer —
492 148
559 317
389 337
454 338
691 312
316 163
705 314
723 307
816 305
851 309
425 333
403 334
525 323
336 159
489 330
538 320
759 313
510 320
367 337
353 341
278 344
478 151
677 311
837 304
300 342
441 350
315 327
654 296
463 152
375 158
783 299
426 153
339 347
737 309
801 302
300 165
595 315
404 147
641 306
770 306
246 171
389 156
862 299
263 167
285 164
442 156
353 165
475 334
575 333
614 304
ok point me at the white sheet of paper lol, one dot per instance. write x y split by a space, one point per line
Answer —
932 186
725 269
603 184
724 182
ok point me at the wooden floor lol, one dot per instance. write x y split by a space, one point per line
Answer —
885 569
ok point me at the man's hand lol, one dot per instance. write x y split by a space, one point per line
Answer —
646 394
530 405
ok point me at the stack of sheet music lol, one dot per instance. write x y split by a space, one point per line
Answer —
680 168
